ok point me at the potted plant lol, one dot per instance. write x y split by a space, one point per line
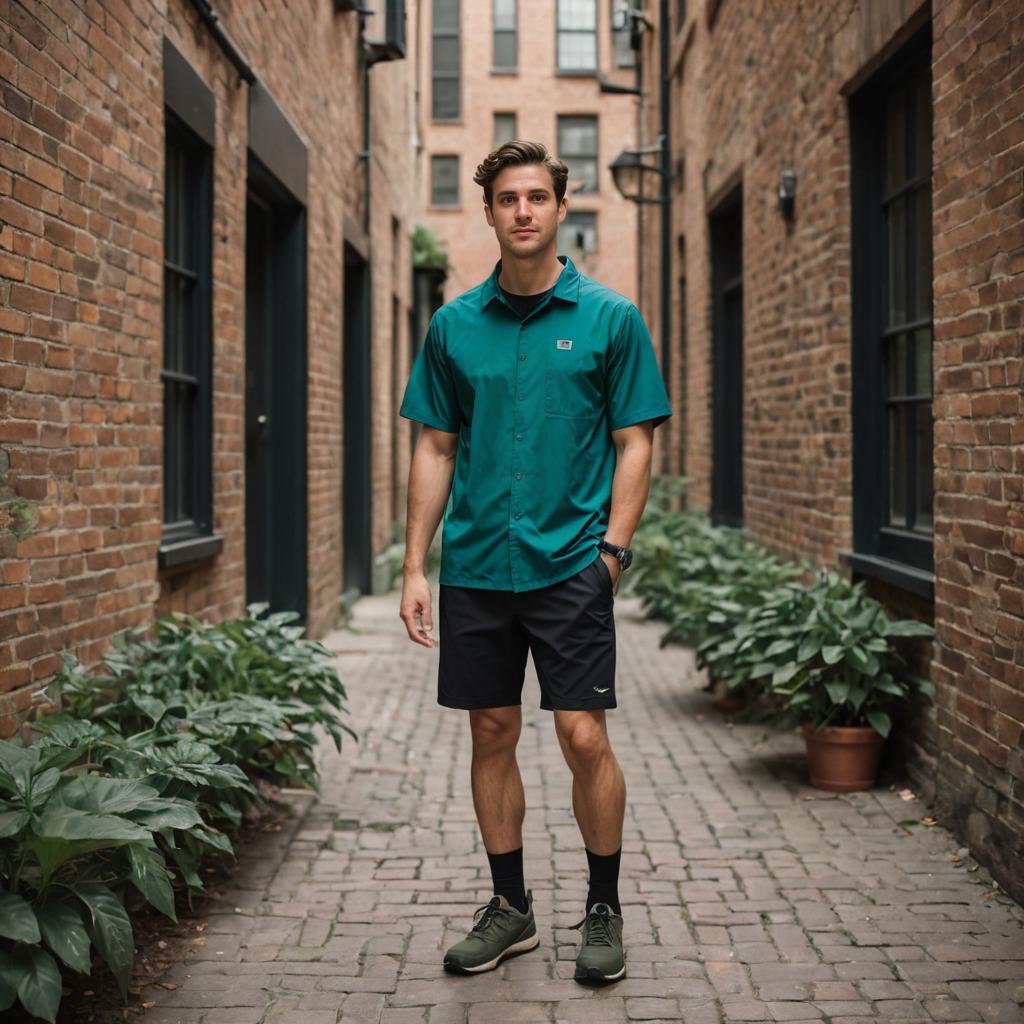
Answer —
836 669
824 657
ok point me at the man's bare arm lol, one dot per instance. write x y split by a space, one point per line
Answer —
430 483
630 486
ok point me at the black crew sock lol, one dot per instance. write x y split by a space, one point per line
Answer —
604 879
507 874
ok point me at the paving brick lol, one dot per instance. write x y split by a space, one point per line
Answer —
363 950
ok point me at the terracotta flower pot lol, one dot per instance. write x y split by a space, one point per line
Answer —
843 759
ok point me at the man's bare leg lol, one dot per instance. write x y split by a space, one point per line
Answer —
598 798
498 797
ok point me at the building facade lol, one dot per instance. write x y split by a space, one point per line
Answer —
847 281
496 70
205 315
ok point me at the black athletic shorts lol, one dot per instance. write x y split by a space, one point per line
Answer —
485 635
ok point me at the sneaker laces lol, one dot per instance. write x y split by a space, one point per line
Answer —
488 914
598 926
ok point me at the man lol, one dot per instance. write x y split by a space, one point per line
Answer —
538 392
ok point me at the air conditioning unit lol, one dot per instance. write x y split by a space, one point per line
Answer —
384 32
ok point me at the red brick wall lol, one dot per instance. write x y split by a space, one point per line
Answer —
978 206
763 87
81 229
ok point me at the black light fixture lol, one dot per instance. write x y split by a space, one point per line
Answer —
787 193
627 169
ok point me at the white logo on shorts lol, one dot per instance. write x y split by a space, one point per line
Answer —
597 689
564 343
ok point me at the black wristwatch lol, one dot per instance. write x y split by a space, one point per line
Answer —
624 555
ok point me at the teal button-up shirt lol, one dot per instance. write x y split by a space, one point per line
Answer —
534 402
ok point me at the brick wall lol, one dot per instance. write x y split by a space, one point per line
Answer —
464 230
762 86
978 207
81 229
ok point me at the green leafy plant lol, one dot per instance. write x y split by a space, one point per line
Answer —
253 689
427 250
178 767
65 837
826 654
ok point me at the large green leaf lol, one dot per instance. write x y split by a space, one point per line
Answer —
61 823
784 673
838 691
831 653
167 813
880 722
111 931
149 876
12 822
107 796
42 786
38 980
16 766
64 932
16 919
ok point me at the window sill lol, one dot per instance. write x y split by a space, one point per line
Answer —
576 72
444 207
446 120
898 574
193 549
505 71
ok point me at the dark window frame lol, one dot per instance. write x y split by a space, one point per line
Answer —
898 554
571 215
445 74
187 369
564 119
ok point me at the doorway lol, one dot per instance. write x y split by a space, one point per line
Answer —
275 395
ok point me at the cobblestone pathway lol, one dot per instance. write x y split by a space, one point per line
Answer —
747 895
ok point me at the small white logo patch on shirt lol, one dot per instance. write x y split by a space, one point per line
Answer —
563 343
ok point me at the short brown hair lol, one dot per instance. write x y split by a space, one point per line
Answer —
519 152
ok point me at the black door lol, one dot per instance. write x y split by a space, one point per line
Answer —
357 546
275 396
727 364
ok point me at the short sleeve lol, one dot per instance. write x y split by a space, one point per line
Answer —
430 394
634 390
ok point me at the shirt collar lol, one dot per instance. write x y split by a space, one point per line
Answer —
566 287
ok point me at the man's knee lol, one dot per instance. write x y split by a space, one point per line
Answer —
583 738
495 730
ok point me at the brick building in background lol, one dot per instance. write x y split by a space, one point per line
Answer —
495 70
205 308
813 352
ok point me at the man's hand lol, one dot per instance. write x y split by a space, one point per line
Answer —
414 610
614 568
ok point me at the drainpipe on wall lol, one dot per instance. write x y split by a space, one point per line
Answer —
666 210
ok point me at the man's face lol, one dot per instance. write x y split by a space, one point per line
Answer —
523 211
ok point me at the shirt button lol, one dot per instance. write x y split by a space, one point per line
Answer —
522 358
518 515
519 476
520 397
519 437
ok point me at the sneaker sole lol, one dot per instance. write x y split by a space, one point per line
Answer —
598 977
522 946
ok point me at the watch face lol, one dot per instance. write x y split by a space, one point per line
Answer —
627 558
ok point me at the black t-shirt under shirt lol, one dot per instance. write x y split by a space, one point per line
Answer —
523 304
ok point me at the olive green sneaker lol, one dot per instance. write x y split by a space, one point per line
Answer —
601 957
499 931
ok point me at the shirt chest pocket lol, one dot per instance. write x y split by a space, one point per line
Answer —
571 386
